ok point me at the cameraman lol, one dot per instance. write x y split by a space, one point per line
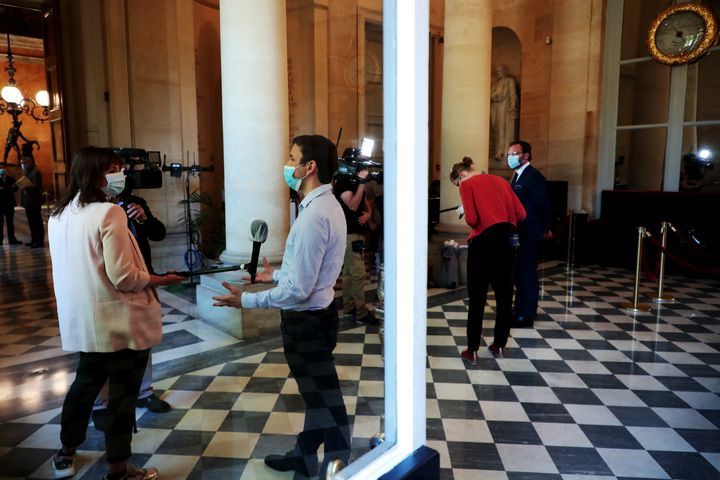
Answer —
350 192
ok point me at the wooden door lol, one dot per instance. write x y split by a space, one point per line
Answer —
53 67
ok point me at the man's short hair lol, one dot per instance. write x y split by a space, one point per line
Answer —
525 146
320 149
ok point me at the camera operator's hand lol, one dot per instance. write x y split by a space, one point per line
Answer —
362 175
136 212
365 217
265 276
168 279
230 300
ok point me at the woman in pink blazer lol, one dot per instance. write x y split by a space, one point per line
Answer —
107 308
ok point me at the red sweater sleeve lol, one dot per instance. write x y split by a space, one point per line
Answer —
466 196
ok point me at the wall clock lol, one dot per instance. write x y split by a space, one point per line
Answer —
682 34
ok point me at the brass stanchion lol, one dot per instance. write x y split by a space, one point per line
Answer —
636 307
569 264
660 298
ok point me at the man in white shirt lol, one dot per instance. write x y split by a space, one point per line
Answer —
313 259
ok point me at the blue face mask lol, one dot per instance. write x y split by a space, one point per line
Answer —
513 161
292 182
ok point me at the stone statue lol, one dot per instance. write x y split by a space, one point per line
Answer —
503 112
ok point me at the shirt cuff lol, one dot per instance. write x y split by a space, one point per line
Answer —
248 300
276 275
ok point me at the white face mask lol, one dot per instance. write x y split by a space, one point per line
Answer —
115 184
513 161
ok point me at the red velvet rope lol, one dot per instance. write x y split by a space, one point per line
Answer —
687 240
560 229
680 261
646 267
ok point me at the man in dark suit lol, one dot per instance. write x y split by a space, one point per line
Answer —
7 206
529 185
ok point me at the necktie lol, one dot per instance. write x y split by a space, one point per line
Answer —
514 179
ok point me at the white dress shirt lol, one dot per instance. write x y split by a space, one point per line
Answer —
313 258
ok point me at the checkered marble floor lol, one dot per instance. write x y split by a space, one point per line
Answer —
590 392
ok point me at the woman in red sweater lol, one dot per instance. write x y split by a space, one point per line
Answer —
492 210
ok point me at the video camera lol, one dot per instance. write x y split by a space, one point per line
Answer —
149 176
356 159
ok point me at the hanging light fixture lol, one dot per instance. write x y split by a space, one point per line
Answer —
13 100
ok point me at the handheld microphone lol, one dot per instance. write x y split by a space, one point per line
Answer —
259 233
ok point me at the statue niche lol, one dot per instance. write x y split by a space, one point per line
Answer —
504 110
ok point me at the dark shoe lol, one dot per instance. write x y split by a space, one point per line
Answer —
521 321
469 356
496 351
28 244
349 314
63 466
137 473
287 463
15 241
36 245
368 319
154 404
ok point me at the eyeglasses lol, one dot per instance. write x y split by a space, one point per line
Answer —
515 153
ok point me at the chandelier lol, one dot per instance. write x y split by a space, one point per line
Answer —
13 100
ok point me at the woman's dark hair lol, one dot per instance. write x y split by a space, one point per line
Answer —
87 170
463 166
320 149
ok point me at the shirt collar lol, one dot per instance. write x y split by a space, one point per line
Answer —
314 194
522 169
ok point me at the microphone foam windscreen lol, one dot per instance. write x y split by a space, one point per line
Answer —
259 231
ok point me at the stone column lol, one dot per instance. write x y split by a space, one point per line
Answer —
465 107
253 51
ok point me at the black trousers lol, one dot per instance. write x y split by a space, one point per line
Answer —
490 263
8 213
35 222
526 278
309 338
124 371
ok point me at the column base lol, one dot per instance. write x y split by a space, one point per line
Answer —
445 232
241 323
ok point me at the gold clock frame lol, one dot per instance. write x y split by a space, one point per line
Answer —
711 34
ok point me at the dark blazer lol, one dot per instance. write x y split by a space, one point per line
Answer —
7 192
532 192
153 229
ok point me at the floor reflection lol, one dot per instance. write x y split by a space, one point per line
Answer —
590 392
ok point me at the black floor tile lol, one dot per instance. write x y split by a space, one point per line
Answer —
216 400
686 466
526 379
578 461
522 433
478 456
609 436
192 382
496 393
653 398
581 396
218 468
11 434
460 409
253 422
706 441
637 417
185 442
547 413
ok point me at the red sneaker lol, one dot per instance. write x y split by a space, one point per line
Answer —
469 356
496 351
